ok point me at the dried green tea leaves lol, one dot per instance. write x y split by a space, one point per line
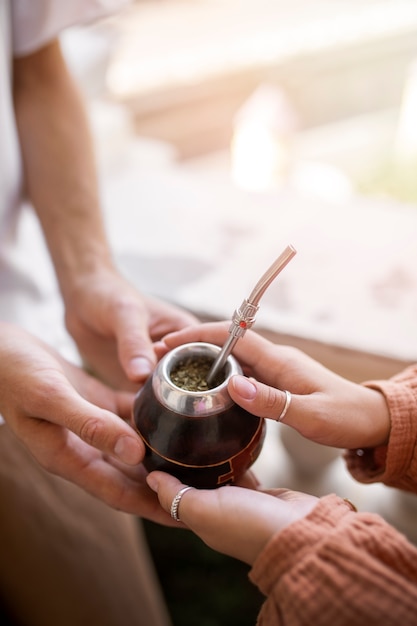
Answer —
191 374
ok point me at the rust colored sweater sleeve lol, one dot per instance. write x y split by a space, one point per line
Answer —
394 464
337 568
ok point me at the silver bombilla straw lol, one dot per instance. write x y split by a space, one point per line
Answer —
244 317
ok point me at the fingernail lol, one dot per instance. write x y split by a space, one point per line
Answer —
244 387
140 367
152 482
128 450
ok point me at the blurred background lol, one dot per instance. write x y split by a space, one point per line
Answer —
226 129
330 80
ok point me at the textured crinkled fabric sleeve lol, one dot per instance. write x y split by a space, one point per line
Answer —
337 567
36 22
395 464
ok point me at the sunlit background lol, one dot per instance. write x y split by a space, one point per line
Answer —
263 78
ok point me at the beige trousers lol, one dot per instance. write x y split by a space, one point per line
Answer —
66 558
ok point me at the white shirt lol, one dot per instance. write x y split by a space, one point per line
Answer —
25 26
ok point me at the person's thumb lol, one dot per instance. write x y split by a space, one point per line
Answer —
135 348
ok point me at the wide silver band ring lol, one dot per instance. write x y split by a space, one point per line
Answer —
286 406
176 503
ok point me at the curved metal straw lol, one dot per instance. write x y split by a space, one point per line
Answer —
244 317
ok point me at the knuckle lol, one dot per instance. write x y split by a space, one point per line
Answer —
46 387
90 431
272 400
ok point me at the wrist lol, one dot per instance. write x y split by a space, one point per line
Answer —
78 272
378 418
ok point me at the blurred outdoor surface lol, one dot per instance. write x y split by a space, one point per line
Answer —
184 68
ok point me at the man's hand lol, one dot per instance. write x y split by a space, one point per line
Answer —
111 322
114 327
72 424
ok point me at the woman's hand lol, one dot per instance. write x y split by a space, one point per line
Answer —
72 424
236 521
325 407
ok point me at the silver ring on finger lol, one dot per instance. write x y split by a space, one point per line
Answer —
286 406
176 503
